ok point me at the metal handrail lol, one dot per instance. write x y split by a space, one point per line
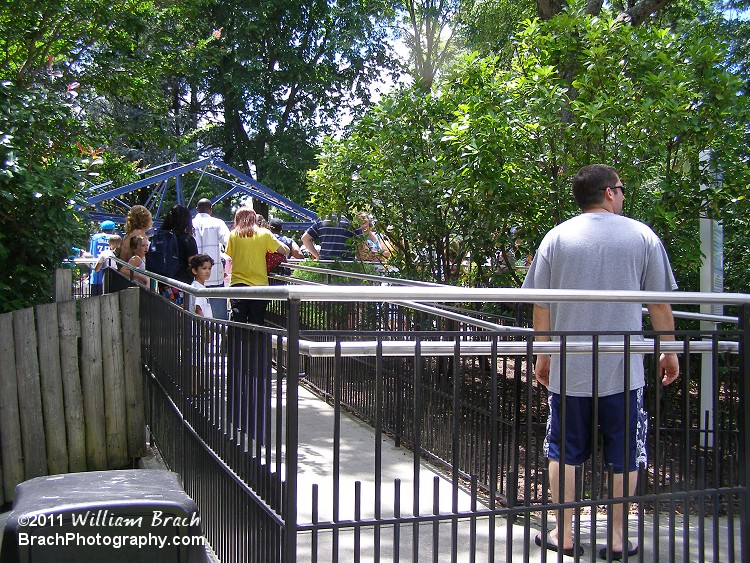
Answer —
295 265
406 348
398 281
437 294
439 311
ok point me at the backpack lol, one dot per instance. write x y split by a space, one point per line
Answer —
163 256
273 259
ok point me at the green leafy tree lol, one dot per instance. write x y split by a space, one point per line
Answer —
45 152
497 147
43 38
282 75
633 12
389 166
39 186
427 28
141 97
595 90
488 26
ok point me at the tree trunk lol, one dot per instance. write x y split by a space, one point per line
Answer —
549 8
641 11
594 7
636 14
235 142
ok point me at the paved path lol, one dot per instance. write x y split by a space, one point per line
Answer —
357 464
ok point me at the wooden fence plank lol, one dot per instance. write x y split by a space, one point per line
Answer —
50 377
63 284
75 422
10 423
114 382
92 384
29 394
135 409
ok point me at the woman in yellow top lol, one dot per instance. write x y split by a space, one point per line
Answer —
247 246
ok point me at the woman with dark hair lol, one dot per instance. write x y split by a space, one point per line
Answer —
179 221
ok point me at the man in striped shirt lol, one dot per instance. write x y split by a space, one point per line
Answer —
337 238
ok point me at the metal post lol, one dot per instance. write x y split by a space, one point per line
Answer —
518 389
289 547
744 435
711 280
178 188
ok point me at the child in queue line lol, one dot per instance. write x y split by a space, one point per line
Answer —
201 265
105 258
138 246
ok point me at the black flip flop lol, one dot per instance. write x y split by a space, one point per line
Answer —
618 555
553 547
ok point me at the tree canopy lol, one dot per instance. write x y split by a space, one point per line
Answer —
494 147
141 82
39 188
483 142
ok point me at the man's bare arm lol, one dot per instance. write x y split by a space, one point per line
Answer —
296 252
542 324
307 241
662 319
283 249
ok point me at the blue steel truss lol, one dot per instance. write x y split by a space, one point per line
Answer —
173 176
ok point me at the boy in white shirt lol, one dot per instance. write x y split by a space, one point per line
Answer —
106 256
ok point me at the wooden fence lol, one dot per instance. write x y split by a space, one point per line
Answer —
71 388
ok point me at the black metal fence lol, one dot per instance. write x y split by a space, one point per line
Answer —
229 412
81 269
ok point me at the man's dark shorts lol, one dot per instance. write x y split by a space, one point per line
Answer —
612 424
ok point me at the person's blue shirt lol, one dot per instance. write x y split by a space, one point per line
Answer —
99 243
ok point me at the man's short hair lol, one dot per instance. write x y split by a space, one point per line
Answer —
589 181
204 205
275 225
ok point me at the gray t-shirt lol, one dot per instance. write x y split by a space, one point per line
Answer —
599 251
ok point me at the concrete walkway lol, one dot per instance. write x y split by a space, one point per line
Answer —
443 542
511 543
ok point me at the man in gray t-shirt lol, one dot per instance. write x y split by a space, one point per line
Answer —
598 250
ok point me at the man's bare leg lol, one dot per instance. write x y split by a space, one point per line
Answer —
620 511
566 521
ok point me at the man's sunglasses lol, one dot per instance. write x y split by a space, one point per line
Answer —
623 187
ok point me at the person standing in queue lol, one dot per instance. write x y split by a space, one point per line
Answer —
249 372
99 244
599 249
137 223
212 234
179 221
247 246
